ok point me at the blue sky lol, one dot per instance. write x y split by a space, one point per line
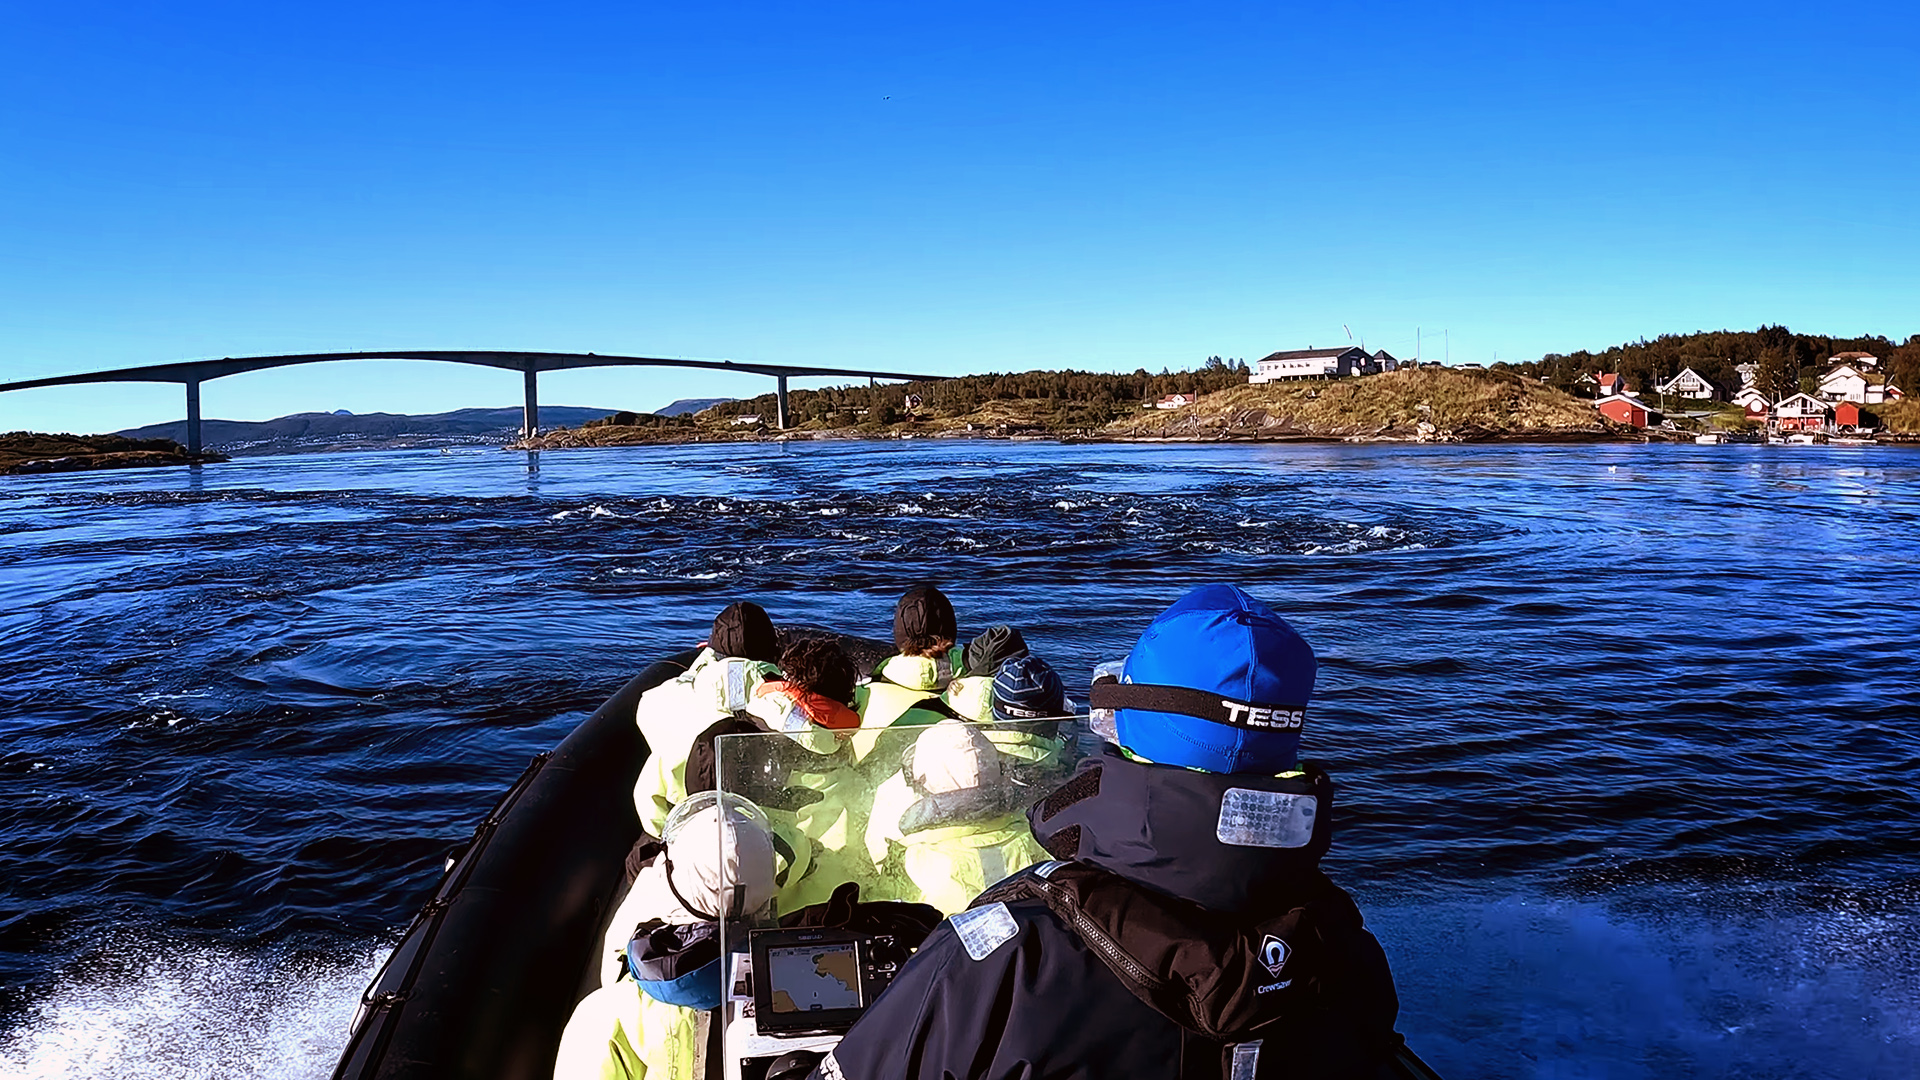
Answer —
937 187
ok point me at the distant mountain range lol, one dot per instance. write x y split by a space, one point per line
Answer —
344 430
691 405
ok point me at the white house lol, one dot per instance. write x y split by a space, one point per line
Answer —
1688 384
1311 364
1174 401
1752 400
749 418
1860 386
1747 371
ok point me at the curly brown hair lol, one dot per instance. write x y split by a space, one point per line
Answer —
819 665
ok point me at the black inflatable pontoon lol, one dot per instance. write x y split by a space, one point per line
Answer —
483 982
485 978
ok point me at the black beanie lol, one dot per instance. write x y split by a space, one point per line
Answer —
744 630
998 645
923 616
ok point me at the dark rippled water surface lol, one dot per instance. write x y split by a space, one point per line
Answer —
1626 735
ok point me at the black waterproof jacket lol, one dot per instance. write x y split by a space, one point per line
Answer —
1149 952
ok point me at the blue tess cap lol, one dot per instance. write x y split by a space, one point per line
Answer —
1218 682
1026 687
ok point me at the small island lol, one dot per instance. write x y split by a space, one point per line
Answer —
28 452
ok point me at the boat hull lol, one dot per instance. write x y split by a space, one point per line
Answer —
485 978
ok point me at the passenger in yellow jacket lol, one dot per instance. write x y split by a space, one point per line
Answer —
970 694
644 1021
812 707
956 810
906 688
740 655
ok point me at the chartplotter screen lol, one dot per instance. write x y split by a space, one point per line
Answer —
814 978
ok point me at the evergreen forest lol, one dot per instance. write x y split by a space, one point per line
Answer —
1078 398
1787 362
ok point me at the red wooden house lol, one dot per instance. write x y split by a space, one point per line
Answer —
1622 409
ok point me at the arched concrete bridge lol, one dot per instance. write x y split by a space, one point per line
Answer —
191 373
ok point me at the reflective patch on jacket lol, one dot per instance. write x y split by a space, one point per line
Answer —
984 929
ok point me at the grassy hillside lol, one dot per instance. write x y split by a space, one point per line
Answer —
1420 404
1899 417
1445 405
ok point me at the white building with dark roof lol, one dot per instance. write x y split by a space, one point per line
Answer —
1311 364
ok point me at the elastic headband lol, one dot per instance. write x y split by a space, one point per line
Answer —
1186 701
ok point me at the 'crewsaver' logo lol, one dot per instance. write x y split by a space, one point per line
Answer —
1274 953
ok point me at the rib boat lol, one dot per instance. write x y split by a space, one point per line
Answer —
483 981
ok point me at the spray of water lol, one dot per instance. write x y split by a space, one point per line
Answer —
1529 986
184 1012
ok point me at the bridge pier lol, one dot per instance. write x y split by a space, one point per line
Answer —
193 416
531 418
780 413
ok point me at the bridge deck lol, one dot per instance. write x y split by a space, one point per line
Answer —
191 373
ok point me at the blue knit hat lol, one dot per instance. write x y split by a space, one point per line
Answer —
1027 687
1218 682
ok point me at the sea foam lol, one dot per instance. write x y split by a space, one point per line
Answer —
192 1011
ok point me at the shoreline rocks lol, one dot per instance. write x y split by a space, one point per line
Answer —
28 453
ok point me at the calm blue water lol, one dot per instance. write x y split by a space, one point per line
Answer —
1626 734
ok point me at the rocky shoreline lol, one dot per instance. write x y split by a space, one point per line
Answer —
27 453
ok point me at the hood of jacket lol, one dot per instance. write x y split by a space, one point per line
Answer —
818 709
678 964
1228 842
928 673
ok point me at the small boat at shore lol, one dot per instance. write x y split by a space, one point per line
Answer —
484 980
1803 438
1711 438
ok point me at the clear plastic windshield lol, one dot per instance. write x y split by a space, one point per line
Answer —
931 813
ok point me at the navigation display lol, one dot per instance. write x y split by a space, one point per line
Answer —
814 978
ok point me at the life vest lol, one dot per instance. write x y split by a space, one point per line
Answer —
1222 977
